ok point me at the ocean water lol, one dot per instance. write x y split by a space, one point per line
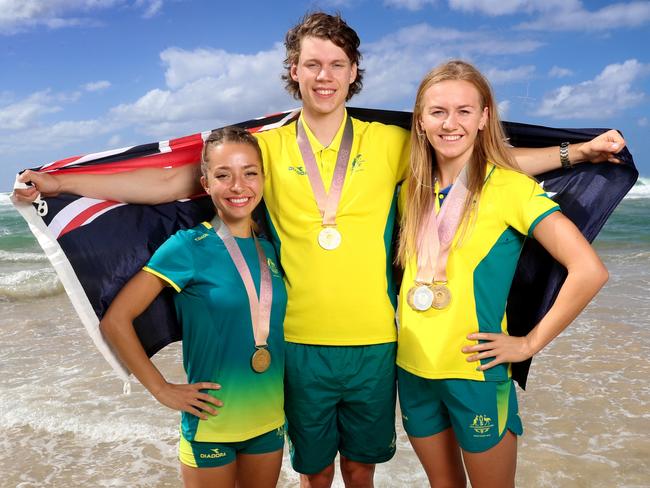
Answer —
66 423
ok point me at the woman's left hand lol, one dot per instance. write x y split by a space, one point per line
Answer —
503 348
602 148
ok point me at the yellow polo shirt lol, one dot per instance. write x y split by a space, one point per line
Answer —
344 296
479 274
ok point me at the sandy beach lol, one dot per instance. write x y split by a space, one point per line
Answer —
66 422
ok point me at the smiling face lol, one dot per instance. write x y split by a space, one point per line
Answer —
452 115
234 180
324 74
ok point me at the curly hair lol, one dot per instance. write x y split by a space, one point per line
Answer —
322 26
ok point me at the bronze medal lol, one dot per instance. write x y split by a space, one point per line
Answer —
441 296
261 359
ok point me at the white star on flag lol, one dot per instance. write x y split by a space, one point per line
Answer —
550 194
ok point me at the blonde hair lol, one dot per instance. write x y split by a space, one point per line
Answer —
489 146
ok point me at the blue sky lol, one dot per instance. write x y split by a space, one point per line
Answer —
81 76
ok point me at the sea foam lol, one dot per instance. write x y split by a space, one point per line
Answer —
22 257
30 284
640 190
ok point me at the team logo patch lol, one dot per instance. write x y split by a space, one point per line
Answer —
357 164
481 425
300 170
273 267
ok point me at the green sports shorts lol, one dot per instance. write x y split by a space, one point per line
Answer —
339 399
213 454
480 412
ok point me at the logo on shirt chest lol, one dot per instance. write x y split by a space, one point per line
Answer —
273 268
299 170
357 164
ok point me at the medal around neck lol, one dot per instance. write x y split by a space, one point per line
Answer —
441 296
260 308
420 298
261 359
329 238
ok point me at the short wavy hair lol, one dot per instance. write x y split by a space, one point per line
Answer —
323 26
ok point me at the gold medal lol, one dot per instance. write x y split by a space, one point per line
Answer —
329 238
261 359
441 296
420 298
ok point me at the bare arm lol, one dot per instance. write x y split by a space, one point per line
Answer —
146 186
601 148
117 327
586 276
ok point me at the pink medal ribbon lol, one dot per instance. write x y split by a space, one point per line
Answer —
260 308
329 237
433 246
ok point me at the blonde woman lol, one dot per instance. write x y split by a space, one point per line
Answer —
468 209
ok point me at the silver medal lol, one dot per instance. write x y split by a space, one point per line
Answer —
420 298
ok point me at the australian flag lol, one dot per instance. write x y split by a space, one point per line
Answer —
96 246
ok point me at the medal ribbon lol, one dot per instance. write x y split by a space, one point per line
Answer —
436 235
260 309
327 202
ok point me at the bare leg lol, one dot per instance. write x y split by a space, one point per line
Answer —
496 467
441 460
357 475
221 476
322 479
259 470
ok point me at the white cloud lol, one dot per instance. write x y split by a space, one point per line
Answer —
396 63
183 67
26 126
412 5
503 107
151 7
508 7
426 40
609 93
67 131
558 72
19 15
40 141
25 113
569 15
94 86
498 76
577 18
207 88
114 141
